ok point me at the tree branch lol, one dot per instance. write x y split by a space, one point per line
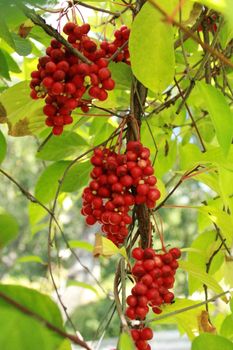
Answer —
190 34
74 338
38 20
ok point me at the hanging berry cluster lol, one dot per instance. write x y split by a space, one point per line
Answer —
119 182
67 83
154 275
121 37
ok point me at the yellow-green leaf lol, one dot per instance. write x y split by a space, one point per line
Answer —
151 48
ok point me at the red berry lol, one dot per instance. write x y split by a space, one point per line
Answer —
69 27
70 88
137 253
134 146
90 220
126 180
141 311
140 289
57 130
59 75
108 84
103 95
142 301
152 294
130 313
146 333
104 73
114 218
148 264
153 194
135 334
50 67
147 279
97 202
49 110
131 300
143 189
148 170
47 82
149 253
141 345
156 310
64 66
85 28
175 252
168 298
57 88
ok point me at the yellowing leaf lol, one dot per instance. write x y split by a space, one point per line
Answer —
204 277
223 220
23 115
105 247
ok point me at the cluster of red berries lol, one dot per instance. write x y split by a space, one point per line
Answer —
210 22
121 41
141 337
119 182
66 82
154 275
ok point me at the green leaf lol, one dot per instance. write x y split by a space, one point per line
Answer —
47 183
8 228
30 258
151 48
220 113
66 345
12 65
3 147
211 342
202 249
226 327
16 325
82 285
121 74
5 33
4 70
24 116
81 245
58 148
186 320
36 213
126 342
105 247
77 177
223 220
23 46
204 277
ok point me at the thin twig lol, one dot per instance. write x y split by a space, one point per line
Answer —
38 20
180 311
208 265
187 31
191 117
183 177
121 315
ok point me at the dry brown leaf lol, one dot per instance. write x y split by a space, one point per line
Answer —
24 30
204 323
